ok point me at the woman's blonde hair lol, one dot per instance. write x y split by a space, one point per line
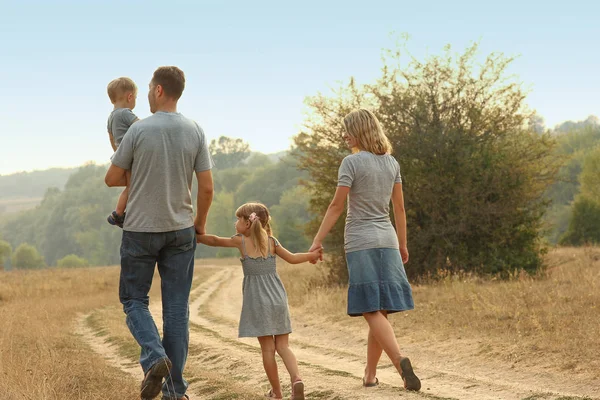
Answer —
260 228
364 126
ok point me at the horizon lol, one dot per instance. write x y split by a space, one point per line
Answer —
92 162
100 163
249 68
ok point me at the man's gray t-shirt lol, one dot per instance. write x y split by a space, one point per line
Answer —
119 121
162 152
371 179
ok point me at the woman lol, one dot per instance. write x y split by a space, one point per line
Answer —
375 252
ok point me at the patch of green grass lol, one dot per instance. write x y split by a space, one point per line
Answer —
226 396
128 349
217 335
535 397
320 394
433 396
573 398
208 388
539 396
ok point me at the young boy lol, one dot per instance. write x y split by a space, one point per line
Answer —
122 93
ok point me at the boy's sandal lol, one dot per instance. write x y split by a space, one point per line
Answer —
371 384
270 395
116 219
298 390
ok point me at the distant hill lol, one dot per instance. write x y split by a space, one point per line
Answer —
569 126
25 190
274 157
33 184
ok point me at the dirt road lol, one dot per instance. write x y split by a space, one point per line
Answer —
331 357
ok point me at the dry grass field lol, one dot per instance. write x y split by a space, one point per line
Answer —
541 329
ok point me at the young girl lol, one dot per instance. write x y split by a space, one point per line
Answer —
375 253
265 313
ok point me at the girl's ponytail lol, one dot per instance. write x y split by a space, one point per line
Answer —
260 227
258 235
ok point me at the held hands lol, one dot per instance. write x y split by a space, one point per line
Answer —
200 230
317 247
315 255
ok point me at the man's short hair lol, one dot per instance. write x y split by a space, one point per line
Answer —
172 80
118 87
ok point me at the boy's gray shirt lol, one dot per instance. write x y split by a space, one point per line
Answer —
119 121
162 152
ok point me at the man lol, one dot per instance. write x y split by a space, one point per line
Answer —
162 151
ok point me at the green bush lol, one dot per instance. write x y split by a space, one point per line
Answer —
584 226
72 261
27 257
474 170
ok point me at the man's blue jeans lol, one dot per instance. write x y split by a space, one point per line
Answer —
174 254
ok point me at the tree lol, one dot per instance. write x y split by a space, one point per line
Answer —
584 226
5 252
71 221
573 148
591 121
72 261
474 173
590 175
229 180
290 217
537 124
258 160
220 222
268 183
228 152
27 257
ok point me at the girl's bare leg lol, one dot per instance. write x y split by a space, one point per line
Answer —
267 346
288 357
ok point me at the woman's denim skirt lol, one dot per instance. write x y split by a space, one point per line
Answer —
377 281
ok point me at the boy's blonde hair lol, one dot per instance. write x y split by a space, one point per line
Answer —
119 87
260 228
364 126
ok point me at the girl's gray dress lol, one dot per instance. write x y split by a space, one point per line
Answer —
265 306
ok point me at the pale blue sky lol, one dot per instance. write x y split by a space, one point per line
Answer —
249 65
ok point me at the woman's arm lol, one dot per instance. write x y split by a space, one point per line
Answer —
297 258
335 209
400 220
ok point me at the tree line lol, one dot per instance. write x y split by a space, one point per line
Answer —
69 227
487 186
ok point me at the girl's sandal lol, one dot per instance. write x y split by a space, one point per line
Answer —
270 395
411 382
298 390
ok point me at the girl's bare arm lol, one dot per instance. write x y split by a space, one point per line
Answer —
297 258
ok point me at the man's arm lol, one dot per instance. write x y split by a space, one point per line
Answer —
204 199
115 176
